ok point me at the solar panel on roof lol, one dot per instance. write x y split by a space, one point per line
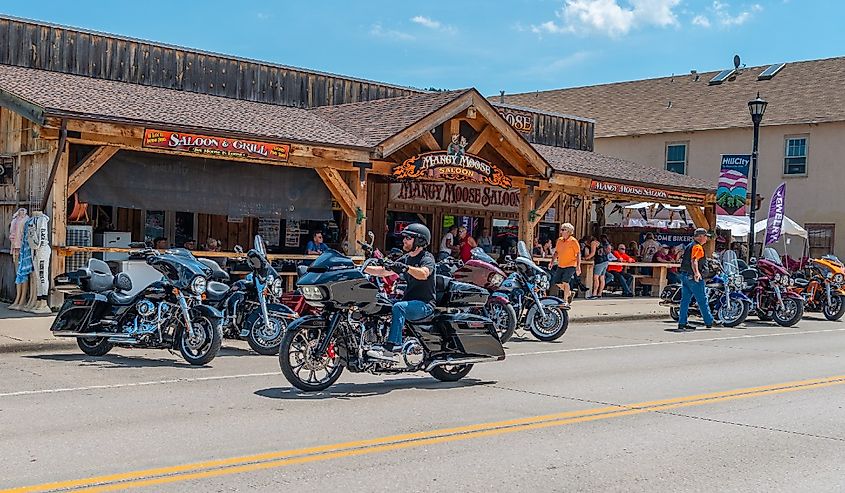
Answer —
722 76
771 71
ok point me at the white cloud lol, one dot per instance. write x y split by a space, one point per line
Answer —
701 20
553 67
726 17
610 17
380 32
430 23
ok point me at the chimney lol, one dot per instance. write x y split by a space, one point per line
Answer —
501 96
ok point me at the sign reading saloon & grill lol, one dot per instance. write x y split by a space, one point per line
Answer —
215 146
451 167
670 196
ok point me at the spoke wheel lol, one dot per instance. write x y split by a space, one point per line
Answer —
835 309
450 373
503 317
792 312
262 339
301 367
203 346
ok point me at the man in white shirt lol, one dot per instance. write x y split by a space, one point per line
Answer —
446 243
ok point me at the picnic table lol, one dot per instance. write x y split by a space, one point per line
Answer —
658 278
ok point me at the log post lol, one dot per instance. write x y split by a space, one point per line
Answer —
527 200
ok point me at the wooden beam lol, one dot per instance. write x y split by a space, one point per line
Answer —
527 200
339 190
22 107
89 165
710 216
484 137
401 139
429 142
698 217
548 201
454 128
58 206
357 231
512 157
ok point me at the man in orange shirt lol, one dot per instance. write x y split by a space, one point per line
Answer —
692 281
568 255
625 279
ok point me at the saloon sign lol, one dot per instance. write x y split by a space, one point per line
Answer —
456 195
658 194
215 146
451 166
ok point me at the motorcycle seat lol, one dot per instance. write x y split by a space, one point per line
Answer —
117 298
100 278
801 283
215 291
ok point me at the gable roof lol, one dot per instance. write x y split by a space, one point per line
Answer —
802 92
592 165
375 121
68 95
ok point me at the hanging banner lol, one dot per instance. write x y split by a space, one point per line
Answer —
774 225
732 193
670 196
455 195
452 165
205 145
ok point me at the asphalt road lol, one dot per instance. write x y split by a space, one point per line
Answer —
610 407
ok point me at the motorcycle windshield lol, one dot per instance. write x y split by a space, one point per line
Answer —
179 268
730 263
772 256
479 254
833 259
258 245
522 250
331 260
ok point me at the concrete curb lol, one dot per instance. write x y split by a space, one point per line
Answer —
618 318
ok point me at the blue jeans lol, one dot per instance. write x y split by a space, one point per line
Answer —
402 310
690 288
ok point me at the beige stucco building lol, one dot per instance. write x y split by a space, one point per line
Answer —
685 123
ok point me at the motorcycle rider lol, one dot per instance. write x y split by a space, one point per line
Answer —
417 267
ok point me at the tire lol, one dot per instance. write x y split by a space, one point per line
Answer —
259 339
450 373
503 316
94 346
207 344
792 316
298 342
835 310
675 313
738 315
763 316
555 325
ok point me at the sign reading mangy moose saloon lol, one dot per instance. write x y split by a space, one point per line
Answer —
215 146
458 195
657 194
451 166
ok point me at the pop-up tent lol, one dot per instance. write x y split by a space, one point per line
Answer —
738 225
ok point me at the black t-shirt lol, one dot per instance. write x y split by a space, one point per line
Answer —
420 290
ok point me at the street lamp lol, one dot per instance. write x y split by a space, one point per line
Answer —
757 107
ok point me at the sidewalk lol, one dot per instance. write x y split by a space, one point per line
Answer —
25 332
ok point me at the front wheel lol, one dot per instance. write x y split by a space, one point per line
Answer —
503 317
301 367
791 313
835 309
204 345
735 315
550 327
261 338
94 346
450 373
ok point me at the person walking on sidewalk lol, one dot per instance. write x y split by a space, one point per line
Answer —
692 271
568 255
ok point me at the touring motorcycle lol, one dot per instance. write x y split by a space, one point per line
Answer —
772 291
725 298
823 287
167 314
355 315
546 317
249 305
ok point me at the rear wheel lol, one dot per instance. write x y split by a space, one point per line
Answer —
503 316
835 309
791 313
450 373
675 313
94 346
301 367
204 345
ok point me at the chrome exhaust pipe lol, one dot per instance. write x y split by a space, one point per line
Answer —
110 335
462 361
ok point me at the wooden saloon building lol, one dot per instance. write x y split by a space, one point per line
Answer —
131 138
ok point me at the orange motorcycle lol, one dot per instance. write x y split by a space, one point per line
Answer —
823 287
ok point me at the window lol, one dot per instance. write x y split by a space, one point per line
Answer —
820 238
676 158
795 156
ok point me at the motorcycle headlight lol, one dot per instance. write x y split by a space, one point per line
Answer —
776 278
542 283
198 285
276 287
495 278
312 293
839 278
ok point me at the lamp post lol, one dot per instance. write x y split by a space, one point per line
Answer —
757 107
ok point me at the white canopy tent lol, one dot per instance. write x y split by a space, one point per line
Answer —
738 226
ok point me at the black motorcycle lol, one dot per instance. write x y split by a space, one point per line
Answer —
356 315
546 317
167 314
250 306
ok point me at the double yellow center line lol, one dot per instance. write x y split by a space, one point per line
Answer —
270 460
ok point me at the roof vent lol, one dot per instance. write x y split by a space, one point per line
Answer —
771 71
722 76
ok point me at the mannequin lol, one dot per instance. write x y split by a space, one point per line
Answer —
39 279
16 235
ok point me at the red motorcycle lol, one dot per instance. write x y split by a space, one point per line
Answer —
481 270
773 292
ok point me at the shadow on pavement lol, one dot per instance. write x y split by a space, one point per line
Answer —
352 390
116 361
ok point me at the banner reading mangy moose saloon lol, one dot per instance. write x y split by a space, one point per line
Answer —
459 195
732 193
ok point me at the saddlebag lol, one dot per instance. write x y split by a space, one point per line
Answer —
671 295
76 312
474 334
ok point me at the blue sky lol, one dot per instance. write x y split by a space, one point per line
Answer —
516 46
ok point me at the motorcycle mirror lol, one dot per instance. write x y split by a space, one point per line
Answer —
239 249
371 236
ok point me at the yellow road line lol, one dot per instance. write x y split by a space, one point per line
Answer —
235 465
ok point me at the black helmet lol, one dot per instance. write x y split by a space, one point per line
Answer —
420 234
